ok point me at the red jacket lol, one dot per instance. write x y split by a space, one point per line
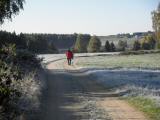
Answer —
69 55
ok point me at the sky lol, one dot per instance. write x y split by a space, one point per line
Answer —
96 17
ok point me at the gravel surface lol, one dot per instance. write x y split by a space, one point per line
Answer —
74 95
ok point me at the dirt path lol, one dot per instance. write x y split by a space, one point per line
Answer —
120 110
72 96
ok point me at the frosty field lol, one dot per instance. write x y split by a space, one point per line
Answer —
143 77
130 75
130 83
136 78
145 61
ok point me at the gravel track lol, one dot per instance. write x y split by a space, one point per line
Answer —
74 95
71 96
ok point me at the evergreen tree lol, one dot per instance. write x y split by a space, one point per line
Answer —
136 45
112 47
94 44
81 43
122 45
8 8
107 46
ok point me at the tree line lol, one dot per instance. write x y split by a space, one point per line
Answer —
35 43
149 41
50 43
87 43
93 44
146 43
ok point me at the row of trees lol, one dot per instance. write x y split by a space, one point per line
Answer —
87 43
35 43
147 43
93 44
45 43
110 47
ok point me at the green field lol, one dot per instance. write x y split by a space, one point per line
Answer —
143 61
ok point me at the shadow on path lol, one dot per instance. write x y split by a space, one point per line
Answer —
71 97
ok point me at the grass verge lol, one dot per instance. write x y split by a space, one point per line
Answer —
146 105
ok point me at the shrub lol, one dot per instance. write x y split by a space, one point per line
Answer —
14 65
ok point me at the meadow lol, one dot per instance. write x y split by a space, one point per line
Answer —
136 78
143 61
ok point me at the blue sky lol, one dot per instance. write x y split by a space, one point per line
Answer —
98 17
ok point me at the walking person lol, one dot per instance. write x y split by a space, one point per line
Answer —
69 55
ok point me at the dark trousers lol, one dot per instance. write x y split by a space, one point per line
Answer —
69 61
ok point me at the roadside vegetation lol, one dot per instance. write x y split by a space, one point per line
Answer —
20 83
20 70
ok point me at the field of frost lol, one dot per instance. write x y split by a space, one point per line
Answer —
143 61
131 83
131 75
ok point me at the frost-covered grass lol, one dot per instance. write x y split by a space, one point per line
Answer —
140 88
28 103
143 61
146 105
19 83
133 82
30 89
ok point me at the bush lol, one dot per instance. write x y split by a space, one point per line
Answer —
14 65
27 60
